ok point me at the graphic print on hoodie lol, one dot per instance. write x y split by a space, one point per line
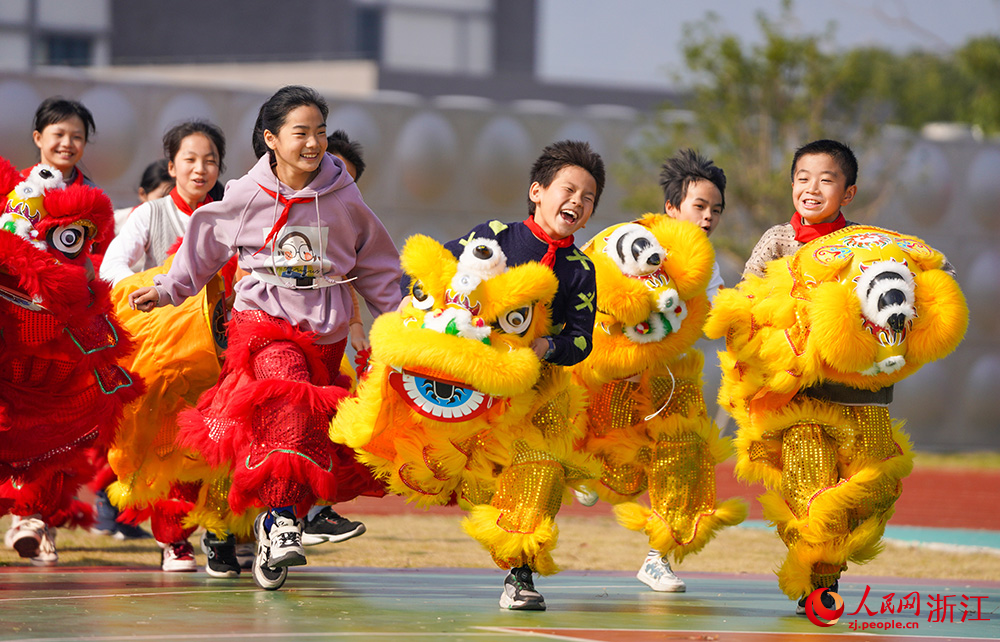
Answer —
295 256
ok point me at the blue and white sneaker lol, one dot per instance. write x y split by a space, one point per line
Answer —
265 576
657 574
285 536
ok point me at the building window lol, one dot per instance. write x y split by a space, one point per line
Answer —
72 51
369 32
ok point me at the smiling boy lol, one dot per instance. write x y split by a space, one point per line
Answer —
566 185
824 176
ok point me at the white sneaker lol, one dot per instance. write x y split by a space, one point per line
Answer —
47 555
25 535
285 536
657 575
178 557
586 496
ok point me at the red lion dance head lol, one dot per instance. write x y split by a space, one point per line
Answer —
61 389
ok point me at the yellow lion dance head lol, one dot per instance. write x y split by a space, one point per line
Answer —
445 367
863 307
651 276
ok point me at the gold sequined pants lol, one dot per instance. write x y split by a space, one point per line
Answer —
834 479
528 491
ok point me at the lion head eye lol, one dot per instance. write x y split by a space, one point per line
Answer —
68 239
421 299
516 321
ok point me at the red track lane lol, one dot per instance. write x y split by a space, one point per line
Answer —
941 498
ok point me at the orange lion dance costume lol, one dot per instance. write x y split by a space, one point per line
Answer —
812 350
457 406
178 354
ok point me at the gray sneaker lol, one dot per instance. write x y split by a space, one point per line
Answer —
519 592
285 536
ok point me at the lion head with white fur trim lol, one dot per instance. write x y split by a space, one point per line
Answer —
447 366
651 280
863 307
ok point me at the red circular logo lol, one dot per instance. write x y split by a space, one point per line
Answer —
819 614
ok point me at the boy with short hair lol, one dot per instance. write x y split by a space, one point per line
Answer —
349 151
824 175
694 190
566 184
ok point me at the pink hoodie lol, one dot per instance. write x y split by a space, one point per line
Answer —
327 239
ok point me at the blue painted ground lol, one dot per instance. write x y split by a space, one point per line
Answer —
957 539
145 605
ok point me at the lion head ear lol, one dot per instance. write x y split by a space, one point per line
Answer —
942 317
426 260
835 333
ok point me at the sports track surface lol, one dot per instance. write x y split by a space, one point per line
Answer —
953 508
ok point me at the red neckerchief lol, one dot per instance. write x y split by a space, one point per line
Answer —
805 233
77 178
283 218
182 204
550 255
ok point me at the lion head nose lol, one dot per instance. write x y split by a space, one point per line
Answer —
482 252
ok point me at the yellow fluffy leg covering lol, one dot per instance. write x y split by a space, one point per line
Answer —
621 483
836 499
518 526
212 512
684 515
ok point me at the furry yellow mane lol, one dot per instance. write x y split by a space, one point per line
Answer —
447 366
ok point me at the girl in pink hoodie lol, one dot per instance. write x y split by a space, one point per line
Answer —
300 229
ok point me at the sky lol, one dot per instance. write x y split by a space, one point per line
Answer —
638 42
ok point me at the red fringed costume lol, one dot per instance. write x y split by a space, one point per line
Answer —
267 418
61 390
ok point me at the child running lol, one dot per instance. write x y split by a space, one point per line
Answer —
694 190
60 131
566 184
143 454
298 225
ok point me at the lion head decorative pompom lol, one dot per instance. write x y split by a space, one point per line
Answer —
447 366
646 418
862 307
61 389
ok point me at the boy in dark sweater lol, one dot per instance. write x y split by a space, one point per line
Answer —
566 184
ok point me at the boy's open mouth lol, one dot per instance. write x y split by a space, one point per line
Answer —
569 216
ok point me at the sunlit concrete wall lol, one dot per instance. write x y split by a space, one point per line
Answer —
440 166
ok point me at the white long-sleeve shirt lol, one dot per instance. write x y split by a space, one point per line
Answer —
149 231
